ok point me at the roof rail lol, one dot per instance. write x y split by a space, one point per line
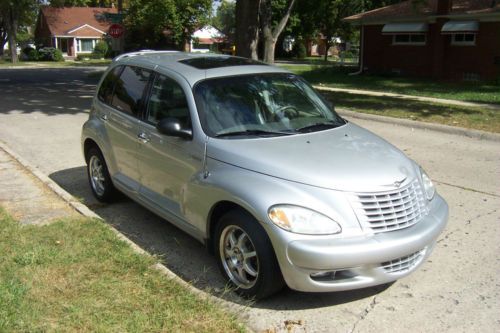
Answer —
141 52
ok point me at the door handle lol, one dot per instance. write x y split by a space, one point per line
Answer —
143 137
104 117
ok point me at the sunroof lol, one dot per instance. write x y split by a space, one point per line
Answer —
217 62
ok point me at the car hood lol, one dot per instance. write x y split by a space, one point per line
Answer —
347 158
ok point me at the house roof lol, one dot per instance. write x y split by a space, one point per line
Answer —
77 21
410 10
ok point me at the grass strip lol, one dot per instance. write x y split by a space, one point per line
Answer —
75 275
473 118
338 77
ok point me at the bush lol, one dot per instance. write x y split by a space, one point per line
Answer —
50 54
81 57
100 50
299 50
29 54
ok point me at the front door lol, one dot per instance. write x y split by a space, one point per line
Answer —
63 45
167 163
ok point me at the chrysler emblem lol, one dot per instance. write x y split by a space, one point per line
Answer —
398 183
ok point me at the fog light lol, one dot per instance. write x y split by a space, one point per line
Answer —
324 275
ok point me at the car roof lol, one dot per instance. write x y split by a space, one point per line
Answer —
195 66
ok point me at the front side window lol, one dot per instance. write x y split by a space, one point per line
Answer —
261 104
108 84
129 90
167 100
409 39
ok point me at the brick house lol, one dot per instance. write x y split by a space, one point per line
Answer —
73 30
445 39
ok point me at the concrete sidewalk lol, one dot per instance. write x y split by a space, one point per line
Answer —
25 197
494 107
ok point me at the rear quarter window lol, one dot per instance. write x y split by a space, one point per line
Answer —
108 84
129 90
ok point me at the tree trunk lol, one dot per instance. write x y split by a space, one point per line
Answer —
12 35
2 45
247 28
271 34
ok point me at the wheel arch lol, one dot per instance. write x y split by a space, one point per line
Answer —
216 212
87 145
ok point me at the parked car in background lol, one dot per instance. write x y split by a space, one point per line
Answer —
250 160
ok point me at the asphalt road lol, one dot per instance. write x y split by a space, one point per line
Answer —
41 113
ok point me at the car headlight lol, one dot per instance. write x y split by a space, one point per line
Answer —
301 220
429 188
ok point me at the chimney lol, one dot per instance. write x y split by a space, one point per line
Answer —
444 7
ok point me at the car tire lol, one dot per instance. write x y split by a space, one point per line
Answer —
246 257
98 175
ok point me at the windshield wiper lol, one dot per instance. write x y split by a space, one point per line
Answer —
318 126
251 132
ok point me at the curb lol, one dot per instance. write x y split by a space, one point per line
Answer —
474 134
85 211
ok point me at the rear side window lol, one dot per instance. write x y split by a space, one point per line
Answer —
129 90
107 85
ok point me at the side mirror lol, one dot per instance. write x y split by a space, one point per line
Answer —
172 127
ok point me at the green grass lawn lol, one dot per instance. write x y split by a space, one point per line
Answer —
474 118
68 63
75 275
335 76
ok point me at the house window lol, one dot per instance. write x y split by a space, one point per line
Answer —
463 39
85 45
409 39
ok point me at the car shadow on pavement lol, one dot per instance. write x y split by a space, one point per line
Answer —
184 255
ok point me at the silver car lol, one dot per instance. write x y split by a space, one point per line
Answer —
250 160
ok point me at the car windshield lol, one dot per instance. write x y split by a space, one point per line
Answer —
262 105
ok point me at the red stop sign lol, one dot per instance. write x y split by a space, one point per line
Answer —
116 30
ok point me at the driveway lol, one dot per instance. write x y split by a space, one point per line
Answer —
41 114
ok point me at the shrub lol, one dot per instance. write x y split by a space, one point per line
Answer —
29 54
33 55
50 54
100 50
299 50
81 57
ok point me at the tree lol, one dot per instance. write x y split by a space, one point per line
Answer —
224 19
247 28
15 14
147 22
191 16
163 23
330 21
81 3
3 35
271 31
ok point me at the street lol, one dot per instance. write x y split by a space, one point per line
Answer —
458 289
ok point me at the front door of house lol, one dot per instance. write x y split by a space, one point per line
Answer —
64 45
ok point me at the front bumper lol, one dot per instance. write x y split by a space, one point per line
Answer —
352 263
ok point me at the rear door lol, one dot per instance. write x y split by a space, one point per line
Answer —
122 123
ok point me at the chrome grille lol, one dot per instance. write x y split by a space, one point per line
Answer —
391 210
403 264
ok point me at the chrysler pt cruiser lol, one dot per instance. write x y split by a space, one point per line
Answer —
250 160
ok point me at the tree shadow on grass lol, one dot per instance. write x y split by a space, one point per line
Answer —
184 255
384 105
